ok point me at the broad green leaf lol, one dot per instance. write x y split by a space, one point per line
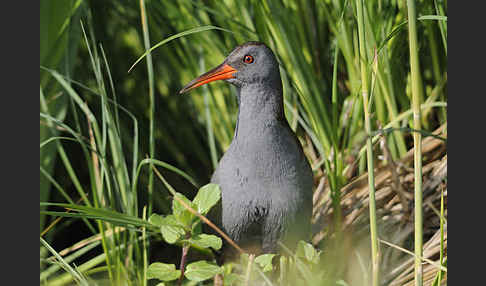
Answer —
265 261
171 230
206 241
207 197
307 251
180 212
162 271
196 227
177 207
156 219
201 270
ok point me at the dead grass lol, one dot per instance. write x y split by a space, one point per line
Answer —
394 200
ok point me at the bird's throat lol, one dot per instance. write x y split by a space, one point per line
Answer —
258 107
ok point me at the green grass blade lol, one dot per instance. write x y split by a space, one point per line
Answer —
99 213
417 140
178 35
74 273
375 251
68 259
168 167
150 73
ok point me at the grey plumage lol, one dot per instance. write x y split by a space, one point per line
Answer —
265 178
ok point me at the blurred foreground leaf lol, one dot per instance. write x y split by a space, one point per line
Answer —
162 271
265 261
201 270
206 241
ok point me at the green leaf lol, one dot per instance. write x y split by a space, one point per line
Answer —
230 278
184 216
307 251
196 227
156 219
171 230
162 271
201 270
177 207
207 197
206 241
265 261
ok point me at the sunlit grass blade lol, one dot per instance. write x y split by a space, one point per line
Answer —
375 252
58 50
83 268
209 120
68 259
417 140
442 25
168 167
398 28
178 35
442 261
98 213
150 74
79 278
65 159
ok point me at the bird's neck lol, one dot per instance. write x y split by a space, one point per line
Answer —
259 107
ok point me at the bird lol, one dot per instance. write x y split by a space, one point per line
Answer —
265 178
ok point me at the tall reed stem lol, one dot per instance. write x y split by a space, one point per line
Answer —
150 71
375 256
417 137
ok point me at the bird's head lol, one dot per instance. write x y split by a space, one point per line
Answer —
249 63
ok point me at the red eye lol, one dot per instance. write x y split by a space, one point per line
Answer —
248 59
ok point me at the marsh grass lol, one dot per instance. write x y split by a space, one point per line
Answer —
417 139
122 124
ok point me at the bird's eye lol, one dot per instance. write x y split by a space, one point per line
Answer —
248 59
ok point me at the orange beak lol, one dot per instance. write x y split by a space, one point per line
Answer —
223 71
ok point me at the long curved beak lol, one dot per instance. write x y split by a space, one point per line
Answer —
223 71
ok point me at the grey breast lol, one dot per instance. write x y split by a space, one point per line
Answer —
266 185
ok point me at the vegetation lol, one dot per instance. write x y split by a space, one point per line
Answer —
125 160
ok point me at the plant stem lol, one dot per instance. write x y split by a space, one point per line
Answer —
144 242
441 253
185 250
150 71
369 146
248 269
417 137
